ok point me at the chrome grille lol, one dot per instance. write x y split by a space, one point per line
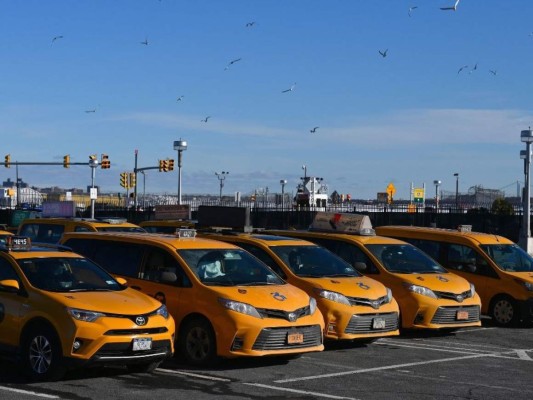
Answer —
459 297
276 338
361 301
281 314
362 323
448 315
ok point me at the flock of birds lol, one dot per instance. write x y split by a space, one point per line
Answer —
251 24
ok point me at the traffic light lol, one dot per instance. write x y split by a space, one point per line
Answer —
105 163
124 180
7 161
66 161
170 164
133 179
162 165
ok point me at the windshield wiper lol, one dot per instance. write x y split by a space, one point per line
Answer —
339 275
257 283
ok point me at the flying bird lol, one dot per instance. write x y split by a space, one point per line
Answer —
250 24
314 129
383 53
145 42
56 38
452 8
289 89
411 9
493 71
463 67
232 62
473 69
206 118
91 111
180 98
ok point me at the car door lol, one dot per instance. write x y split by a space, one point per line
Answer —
10 306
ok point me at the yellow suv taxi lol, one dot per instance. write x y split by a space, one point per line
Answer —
49 230
501 271
225 302
59 310
429 296
353 306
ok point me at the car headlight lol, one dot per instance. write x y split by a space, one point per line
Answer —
239 307
424 291
84 315
333 296
163 311
472 290
527 285
312 305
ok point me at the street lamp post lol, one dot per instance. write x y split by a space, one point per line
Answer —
304 167
283 183
437 184
93 163
527 137
221 177
180 146
456 191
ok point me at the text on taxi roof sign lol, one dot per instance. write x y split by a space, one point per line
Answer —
342 222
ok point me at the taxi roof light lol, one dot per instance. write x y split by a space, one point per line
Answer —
18 243
185 233
358 224
113 221
464 228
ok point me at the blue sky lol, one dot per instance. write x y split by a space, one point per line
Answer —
408 117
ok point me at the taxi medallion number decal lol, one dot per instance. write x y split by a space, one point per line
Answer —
462 315
378 323
295 338
142 344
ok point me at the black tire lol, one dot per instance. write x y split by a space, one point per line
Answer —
143 368
197 343
41 354
504 311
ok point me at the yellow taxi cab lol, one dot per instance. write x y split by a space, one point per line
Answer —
500 270
353 306
165 226
225 302
59 310
49 230
429 296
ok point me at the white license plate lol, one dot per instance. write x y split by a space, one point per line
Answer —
378 323
295 338
142 344
462 315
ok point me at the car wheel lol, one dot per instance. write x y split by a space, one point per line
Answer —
41 352
504 311
197 342
143 368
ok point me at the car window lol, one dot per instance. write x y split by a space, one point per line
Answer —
350 253
43 233
7 271
263 256
160 266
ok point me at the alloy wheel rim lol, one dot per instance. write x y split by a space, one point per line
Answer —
40 354
198 344
503 311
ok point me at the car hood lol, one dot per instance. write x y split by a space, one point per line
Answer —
439 282
363 286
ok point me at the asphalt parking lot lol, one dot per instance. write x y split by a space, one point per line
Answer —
477 363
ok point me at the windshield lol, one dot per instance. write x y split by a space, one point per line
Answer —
121 229
67 274
313 261
509 257
405 259
231 267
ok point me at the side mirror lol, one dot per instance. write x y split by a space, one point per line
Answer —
169 277
9 285
360 266
470 268
122 281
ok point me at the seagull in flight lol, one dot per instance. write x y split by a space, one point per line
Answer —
232 62
314 129
452 8
463 67
145 42
493 71
411 9
289 89
383 53
179 98
206 118
91 111
473 69
56 38
250 24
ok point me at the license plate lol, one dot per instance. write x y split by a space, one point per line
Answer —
378 323
462 315
295 338
142 344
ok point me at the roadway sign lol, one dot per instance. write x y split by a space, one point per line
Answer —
390 191
418 195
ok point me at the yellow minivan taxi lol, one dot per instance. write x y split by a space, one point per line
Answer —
49 230
165 226
353 306
500 270
429 296
225 302
59 310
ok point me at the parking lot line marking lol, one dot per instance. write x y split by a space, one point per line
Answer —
436 348
396 366
28 392
306 392
208 377
523 355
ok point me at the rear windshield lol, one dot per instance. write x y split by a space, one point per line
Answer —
232 267
66 274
